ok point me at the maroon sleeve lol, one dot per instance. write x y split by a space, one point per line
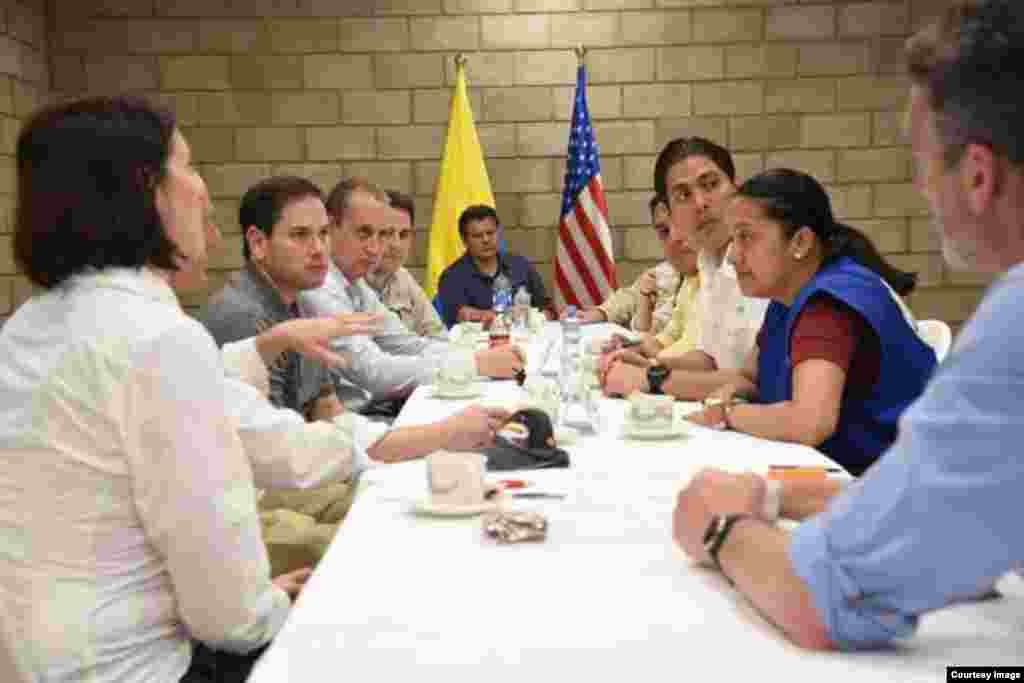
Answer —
829 330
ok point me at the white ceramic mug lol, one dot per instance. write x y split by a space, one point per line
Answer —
650 409
467 334
456 478
456 372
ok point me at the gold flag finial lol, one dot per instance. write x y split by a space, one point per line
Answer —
460 59
581 53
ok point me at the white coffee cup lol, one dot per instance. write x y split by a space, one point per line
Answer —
543 393
456 478
456 372
466 335
649 410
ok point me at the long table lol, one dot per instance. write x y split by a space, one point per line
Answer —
607 597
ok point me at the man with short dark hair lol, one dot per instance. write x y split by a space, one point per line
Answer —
933 521
395 285
285 236
466 287
696 175
285 226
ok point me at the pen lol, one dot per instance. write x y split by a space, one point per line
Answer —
810 468
536 494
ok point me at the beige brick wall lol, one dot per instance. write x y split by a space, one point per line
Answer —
327 88
24 83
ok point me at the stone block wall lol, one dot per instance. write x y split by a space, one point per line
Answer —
329 88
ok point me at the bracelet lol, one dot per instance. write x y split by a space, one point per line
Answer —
772 500
726 413
714 538
712 402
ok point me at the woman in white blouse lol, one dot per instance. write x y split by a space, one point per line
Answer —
128 523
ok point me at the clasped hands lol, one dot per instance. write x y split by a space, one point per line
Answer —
622 369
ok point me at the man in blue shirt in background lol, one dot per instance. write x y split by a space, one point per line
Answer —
936 520
466 287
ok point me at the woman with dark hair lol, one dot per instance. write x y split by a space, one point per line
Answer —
128 505
837 359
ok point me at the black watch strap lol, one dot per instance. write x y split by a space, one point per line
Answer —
656 376
717 531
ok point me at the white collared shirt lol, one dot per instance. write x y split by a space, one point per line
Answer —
391 362
128 520
729 321
283 449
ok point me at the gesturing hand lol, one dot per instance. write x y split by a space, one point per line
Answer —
312 336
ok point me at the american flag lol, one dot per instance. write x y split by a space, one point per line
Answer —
584 262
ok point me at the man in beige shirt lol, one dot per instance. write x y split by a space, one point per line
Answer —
396 287
647 304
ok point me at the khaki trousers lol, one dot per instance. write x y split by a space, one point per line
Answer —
298 524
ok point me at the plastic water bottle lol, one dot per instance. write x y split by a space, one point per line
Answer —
500 333
502 294
521 308
569 377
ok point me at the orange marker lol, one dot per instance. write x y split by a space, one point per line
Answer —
800 472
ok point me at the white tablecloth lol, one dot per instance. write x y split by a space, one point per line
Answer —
606 597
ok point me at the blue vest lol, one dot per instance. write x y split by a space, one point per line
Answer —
867 426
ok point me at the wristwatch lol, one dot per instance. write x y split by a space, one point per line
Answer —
717 531
656 376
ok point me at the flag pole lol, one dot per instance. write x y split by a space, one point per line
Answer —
462 181
584 255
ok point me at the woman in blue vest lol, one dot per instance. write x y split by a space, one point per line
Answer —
838 358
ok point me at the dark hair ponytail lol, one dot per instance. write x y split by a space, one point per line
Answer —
847 241
795 200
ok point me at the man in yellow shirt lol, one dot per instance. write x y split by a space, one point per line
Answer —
680 334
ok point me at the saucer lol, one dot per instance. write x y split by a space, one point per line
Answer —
566 436
674 432
425 506
469 391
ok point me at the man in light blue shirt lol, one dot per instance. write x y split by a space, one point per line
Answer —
392 362
935 520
